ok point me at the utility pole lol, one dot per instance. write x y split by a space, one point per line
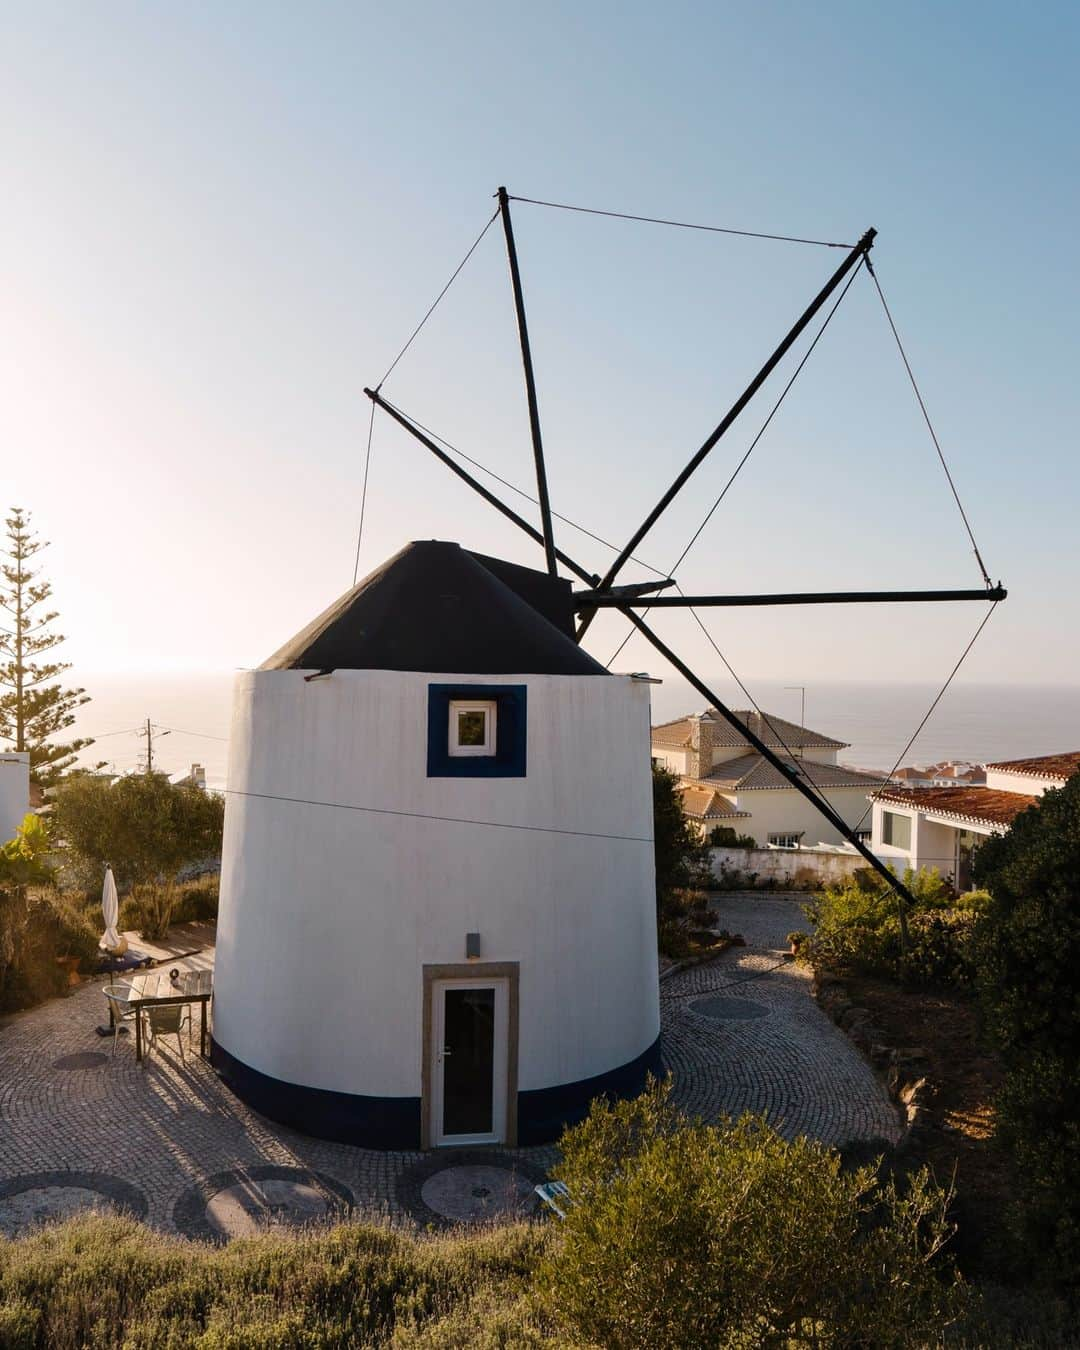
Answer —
149 733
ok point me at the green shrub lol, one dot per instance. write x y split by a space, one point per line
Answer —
1028 956
108 1282
723 836
682 1234
198 902
857 929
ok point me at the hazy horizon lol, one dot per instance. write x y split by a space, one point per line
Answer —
219 226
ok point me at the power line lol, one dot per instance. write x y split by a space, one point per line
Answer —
679 224
449 820
205 735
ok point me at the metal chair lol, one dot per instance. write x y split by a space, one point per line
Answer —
118 997
167 1020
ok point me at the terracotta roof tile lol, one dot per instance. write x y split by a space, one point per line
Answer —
776 732
987 805
706 803
1044 766
754 771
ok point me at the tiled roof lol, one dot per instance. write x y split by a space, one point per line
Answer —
985 805
1045 766
775 731
705 803
755 771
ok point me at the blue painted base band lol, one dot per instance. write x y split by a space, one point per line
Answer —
368 1122
543 1112
394 1122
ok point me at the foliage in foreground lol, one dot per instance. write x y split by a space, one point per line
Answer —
37 924
683 1234
108 1282
1029 956
147 828
857 929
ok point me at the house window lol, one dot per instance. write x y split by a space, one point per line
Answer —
896 830
788 840
476 730
472 729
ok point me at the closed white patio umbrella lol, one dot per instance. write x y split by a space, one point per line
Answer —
110 912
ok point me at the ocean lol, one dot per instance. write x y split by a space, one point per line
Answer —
972 722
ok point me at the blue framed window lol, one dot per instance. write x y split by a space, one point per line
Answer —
476 730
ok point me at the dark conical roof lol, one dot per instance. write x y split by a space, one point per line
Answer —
436 607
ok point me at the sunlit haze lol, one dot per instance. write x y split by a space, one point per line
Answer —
221 222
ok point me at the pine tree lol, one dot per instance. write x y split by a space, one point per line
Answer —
33 704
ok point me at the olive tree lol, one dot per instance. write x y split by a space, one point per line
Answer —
146 828
685 1234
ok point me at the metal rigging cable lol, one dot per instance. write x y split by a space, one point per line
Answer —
738 467
435 302
363 494
678 224
514 488
941 694
929 424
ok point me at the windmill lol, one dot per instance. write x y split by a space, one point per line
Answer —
630 599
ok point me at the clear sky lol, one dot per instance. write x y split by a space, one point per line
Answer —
221 220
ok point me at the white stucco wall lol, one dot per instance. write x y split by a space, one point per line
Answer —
675 761
780 810
1032 786
14 791
933 840
328 915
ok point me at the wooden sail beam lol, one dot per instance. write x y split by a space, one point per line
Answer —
619 599
856 255
590 578
530 384
794 780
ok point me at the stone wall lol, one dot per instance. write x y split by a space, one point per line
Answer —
767 867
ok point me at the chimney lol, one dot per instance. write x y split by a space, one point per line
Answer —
700 760
198 776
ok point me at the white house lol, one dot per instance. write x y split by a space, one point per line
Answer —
727 782
943 826
14 791
437 920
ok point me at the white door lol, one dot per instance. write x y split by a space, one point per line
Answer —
469 1061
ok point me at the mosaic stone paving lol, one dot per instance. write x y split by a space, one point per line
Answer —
242 1202
722 1009
79 1129
475 1186
43 1197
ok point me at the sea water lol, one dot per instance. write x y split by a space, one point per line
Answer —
972 722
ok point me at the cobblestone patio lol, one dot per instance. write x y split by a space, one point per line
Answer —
80 1128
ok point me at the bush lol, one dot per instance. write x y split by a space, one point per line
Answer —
1029 955
108 1282
682 1234
723 836
148 829
857 929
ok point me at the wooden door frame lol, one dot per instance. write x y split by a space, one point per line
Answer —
481 972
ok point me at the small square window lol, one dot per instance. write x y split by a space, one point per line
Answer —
472 729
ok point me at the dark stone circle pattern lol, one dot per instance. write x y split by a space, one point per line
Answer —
86 1059
189 1213
409 1184
123 1197
729 1009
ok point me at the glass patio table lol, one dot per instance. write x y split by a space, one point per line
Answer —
159 988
